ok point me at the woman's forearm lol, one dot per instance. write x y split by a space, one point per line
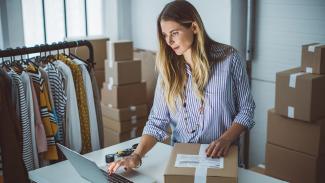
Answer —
146 143
233 132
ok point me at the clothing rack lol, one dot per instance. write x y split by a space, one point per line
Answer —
9 52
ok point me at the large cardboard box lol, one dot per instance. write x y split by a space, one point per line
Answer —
313 58
112 137
297 135
100 77
120 50
293 166
124 126
258 169
121 96
227 174
149 73
99 46
123 72
299 95
125 114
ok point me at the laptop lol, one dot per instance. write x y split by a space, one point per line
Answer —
89 170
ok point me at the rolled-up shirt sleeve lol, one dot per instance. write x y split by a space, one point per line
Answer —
244 101
159 117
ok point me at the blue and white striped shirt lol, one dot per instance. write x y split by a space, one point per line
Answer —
228 100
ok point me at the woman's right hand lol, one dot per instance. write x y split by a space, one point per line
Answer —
132 161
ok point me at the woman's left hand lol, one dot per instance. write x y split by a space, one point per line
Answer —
218 148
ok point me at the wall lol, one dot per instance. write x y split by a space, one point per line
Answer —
1 38
12 23
144 14
281 28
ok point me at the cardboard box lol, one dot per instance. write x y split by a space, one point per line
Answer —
173 174
149 73
120 50
125 114
124 126
100 77
121 96
112 137
313 58
299 95
292 166
258 169
123 72
99 46
297 135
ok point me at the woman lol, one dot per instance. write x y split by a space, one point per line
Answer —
202 90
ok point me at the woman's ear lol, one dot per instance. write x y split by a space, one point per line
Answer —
195 27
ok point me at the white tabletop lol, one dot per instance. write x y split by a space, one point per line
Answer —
153 165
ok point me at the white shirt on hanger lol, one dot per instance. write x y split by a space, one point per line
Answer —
72 127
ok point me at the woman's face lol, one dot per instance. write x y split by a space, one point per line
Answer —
178 37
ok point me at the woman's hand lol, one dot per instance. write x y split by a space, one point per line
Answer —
128 162
218 148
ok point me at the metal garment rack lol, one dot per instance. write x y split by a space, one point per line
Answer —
50 47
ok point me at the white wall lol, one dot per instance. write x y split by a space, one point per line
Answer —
281 28
216 16
144 14
12 23
110 19
1 38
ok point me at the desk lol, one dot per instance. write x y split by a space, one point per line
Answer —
154 164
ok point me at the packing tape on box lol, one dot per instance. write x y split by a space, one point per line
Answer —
110 63
111 50
110 83
293 78
291 112
133 108
309 69
133 132
312 48
133 119
201 172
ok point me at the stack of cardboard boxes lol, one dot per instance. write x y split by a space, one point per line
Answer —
123 95
100 54
295 149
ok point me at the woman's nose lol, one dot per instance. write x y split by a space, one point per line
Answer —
170 41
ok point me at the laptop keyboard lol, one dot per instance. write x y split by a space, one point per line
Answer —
116 178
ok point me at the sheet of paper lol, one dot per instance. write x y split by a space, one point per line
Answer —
194 161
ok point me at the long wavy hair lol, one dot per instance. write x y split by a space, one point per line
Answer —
171 66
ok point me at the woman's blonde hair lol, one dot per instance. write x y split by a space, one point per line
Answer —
171 66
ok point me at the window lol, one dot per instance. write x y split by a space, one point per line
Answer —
47 21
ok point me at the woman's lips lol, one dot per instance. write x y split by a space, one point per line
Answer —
175 48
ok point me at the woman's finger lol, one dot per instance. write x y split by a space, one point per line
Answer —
226 150
118 165
215 151
210 150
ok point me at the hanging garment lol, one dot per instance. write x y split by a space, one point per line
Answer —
59 98
91 105
40 135
25 121
30 108
82 103
13 163
48 119
98 107
72 121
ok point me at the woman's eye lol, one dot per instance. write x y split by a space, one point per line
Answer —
174 34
